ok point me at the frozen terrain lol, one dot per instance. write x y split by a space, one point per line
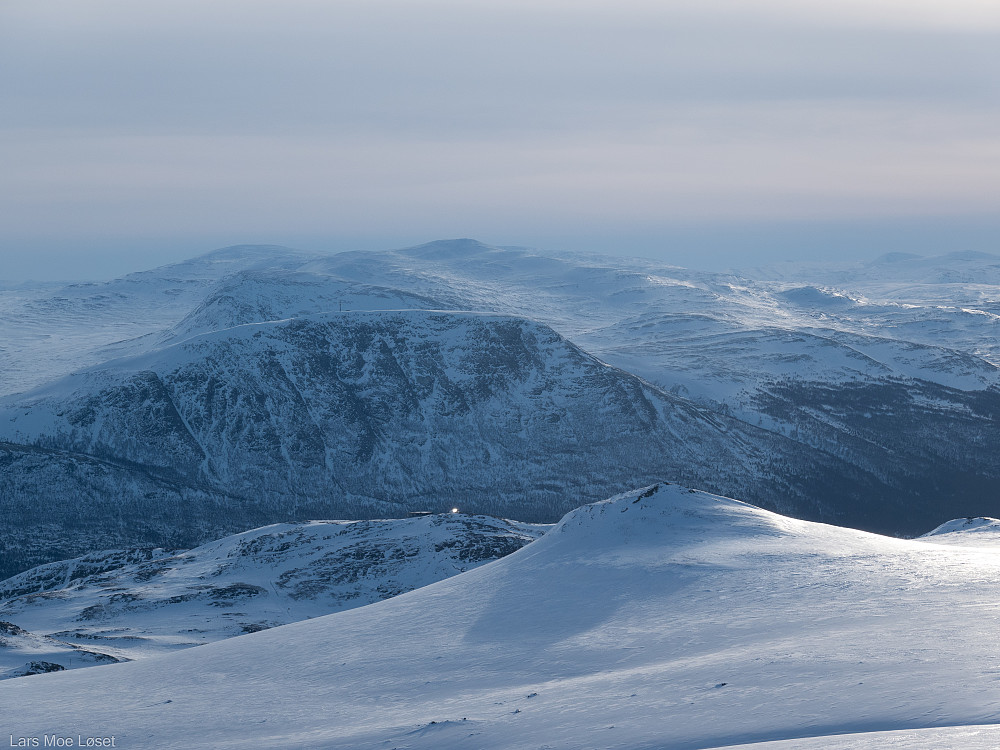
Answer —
259 384
129 604
663 617
971 532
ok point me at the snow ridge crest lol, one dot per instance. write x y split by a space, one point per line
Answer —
666 512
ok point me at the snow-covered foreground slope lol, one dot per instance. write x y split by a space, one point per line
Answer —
662 618
970 532
134 603
967 737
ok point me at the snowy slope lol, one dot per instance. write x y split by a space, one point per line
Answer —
971 532
135 603
590 299
49 332
720 337
24 653
258 296
968 737
660 618
948 300
593 300
756 349
893 269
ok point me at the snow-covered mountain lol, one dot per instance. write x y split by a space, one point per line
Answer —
128 604
758 349
369 414
664 617
588 298
878 382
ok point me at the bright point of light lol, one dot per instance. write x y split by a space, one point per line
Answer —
454 510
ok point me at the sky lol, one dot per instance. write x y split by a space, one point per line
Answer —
715 133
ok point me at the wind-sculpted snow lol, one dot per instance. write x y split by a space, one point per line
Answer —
662 618
373 414
127 604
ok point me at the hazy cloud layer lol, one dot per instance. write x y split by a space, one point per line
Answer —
360 124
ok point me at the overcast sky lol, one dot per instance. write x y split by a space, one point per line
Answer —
712 133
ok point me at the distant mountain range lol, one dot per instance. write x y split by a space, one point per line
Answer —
260 384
